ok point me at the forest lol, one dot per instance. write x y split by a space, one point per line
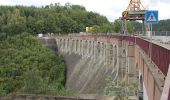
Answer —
53 18
162 25
27 66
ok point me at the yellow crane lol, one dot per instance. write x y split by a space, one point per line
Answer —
134 11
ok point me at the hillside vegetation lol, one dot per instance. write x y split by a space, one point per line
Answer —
163 25
50 19
26 66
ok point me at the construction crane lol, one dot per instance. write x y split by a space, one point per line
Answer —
134 11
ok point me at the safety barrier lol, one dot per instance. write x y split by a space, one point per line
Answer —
159 55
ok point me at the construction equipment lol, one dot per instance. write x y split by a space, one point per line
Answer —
134 11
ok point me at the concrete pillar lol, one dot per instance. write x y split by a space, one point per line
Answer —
79 47
95 49
77 41
115 54
110 54
85 48
75 46
71 46
67 44
119 50
82 47
105 54
103 51
59 44
89 48
100 50
62 45
131 62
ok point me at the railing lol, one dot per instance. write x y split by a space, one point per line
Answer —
159 55
143 44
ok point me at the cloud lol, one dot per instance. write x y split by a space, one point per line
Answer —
111 8
165 1
5 2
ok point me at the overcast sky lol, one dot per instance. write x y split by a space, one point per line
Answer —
112 9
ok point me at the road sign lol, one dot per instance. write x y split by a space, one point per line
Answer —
152 16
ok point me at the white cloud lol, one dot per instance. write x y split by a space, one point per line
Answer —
5 2
111 8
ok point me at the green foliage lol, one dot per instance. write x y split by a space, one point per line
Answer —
129 27
120 89
106 28
96 29
163 25
117 26
26 66
48 19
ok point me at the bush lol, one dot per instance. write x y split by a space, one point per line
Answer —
26 66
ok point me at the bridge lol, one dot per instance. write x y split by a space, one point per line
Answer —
129 58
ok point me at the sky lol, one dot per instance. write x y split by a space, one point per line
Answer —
112 9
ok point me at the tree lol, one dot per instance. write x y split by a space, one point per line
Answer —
40 26
116 26
49 19
16 23
120 89
129 27
29 66
106 28
95 29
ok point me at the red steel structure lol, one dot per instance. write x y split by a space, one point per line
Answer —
159 55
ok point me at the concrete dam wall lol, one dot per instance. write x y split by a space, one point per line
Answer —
93 59
86 73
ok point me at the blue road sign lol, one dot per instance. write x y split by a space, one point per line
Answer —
151 16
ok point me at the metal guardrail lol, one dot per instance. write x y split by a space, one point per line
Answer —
159 55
